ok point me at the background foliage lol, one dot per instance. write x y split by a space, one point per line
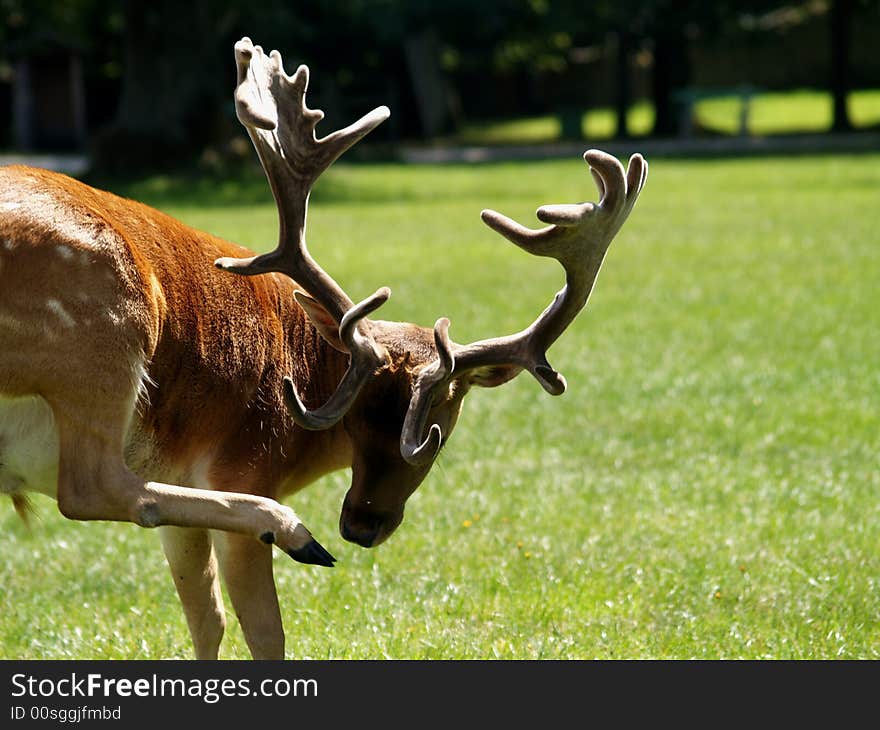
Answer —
158 73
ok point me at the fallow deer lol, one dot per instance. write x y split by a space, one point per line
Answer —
132 362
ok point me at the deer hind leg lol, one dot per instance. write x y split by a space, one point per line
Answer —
246 566
193 565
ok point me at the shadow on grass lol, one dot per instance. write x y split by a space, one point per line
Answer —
241 189
190 188
344 184
382 183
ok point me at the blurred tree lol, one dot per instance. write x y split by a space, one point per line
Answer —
161 72
475 44
670 26
25 25
35 29
667 28
840 26
841 16
623 97
171 83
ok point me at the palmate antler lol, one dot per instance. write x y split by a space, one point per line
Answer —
578 237
272 107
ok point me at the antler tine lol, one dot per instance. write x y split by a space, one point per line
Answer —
525 238
578 237
366 356
413 449
272 107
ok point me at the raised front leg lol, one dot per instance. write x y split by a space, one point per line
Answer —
153 504
95 484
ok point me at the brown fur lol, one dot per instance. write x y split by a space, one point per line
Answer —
157 366
217 346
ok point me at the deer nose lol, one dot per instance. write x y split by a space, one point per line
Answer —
363 534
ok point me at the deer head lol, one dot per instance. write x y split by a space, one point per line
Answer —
401 395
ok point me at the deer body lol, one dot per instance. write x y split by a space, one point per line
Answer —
202 354
141 381
118 336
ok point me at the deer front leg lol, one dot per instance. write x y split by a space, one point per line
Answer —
246 566
95 484
193 565
259 517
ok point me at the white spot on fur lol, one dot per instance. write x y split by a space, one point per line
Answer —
57 308
64 252
8 244
10 206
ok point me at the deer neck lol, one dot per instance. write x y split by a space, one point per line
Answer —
316 369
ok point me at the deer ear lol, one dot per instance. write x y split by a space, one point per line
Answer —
493 375
327 327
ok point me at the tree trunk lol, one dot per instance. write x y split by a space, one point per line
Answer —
171 85
623 97
23 107
841 42
671 72
429 84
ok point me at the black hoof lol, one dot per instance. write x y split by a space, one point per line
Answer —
313 554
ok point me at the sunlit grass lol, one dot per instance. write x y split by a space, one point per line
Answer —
769 113
601 123
707 487
781 113
511 131
595 124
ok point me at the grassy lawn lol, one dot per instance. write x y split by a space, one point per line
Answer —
595 124
770 113
707 487
794 111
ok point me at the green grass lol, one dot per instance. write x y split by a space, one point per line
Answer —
707 487
595 124
770 113
785 113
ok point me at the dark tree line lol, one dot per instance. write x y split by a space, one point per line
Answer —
160 72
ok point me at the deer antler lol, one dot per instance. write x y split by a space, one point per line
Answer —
578 237
272 107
